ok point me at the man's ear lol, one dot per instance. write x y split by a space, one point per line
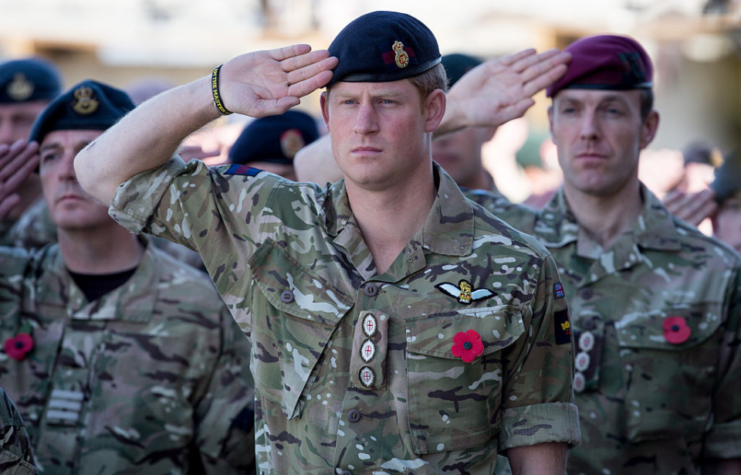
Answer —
434 109
649 128
324 103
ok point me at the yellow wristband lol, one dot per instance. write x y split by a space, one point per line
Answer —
215 91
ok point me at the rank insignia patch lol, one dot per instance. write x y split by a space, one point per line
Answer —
558 290
237 169
563 327
464 292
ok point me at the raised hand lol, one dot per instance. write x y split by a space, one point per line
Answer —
17 162
271 82
500 90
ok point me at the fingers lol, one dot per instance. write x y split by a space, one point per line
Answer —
18 154
545 64
17 179
286 52
534 59
309 85
511 59
7 204
693 208
297 62
544 80
308 72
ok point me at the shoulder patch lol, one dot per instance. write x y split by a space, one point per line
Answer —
558 290
245 170
562 327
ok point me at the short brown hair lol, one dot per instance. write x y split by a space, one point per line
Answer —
647 103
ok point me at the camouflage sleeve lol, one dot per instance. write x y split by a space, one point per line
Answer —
538 393
206 209
723 439
225 415
16 455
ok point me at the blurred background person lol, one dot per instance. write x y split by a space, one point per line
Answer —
727 188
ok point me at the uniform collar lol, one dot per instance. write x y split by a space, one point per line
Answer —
133 301
448 229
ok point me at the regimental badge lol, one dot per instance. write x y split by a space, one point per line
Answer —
291 142
20 88
464 292
367 350
370 325
367 376
580 382
581 361
85 102
400 56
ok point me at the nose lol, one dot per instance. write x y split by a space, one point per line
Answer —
589 126
366 122
66 168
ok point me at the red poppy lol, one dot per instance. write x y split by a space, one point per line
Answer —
18 347
676 330
467 346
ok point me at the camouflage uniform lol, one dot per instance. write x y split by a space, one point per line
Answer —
16 456
336 393
144 379
520 217
648 405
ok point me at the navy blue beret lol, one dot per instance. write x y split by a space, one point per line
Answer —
383 47
89 105
274 139
26 80
727 178
605 62
457 65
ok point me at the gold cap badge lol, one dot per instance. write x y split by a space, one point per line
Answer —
85 102
401 57
291 142
20 88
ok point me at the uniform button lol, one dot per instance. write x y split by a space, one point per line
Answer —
286 296
586 293
353 416
371 290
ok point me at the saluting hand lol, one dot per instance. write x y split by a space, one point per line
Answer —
271 82
500 90
17 162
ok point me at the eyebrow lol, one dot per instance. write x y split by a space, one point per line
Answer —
388 93
49 146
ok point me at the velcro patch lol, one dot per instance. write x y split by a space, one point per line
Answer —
245 170
562 326
558 290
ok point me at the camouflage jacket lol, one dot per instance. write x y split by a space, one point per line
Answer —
519 216
152 377
656 329
16 455
454 353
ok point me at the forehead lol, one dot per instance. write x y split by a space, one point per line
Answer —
70 137
401 87
589 96
30 108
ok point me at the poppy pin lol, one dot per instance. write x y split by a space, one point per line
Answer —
467 345
17 347
676 330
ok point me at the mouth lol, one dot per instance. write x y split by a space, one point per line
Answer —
366 150
70 197
591 156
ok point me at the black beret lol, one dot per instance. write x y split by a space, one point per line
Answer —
89 105
727 178
274 139
26 80
383 47
457 65
605 62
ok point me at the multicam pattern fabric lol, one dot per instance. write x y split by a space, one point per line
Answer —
150 378
518 216
650 403
290 262
16 455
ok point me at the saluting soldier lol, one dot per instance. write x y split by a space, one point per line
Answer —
120 358
396 326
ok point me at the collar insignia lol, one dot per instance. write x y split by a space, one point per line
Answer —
85 102
464 292
400 56
291 142
20 88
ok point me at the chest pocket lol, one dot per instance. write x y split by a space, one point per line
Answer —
295 312
670 357
455 404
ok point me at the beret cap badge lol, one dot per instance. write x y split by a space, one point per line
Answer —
400 56
20 88
291 142
84 102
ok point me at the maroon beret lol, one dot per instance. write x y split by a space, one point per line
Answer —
605 62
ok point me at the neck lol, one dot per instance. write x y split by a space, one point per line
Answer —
103 250
390 218
606 218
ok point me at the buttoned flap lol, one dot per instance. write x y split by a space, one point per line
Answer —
455 376
295 313
498 328
672 328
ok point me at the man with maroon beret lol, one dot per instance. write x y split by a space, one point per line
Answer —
655 304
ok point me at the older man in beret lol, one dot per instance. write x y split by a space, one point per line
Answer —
120 358
26 87
655 304
396 326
